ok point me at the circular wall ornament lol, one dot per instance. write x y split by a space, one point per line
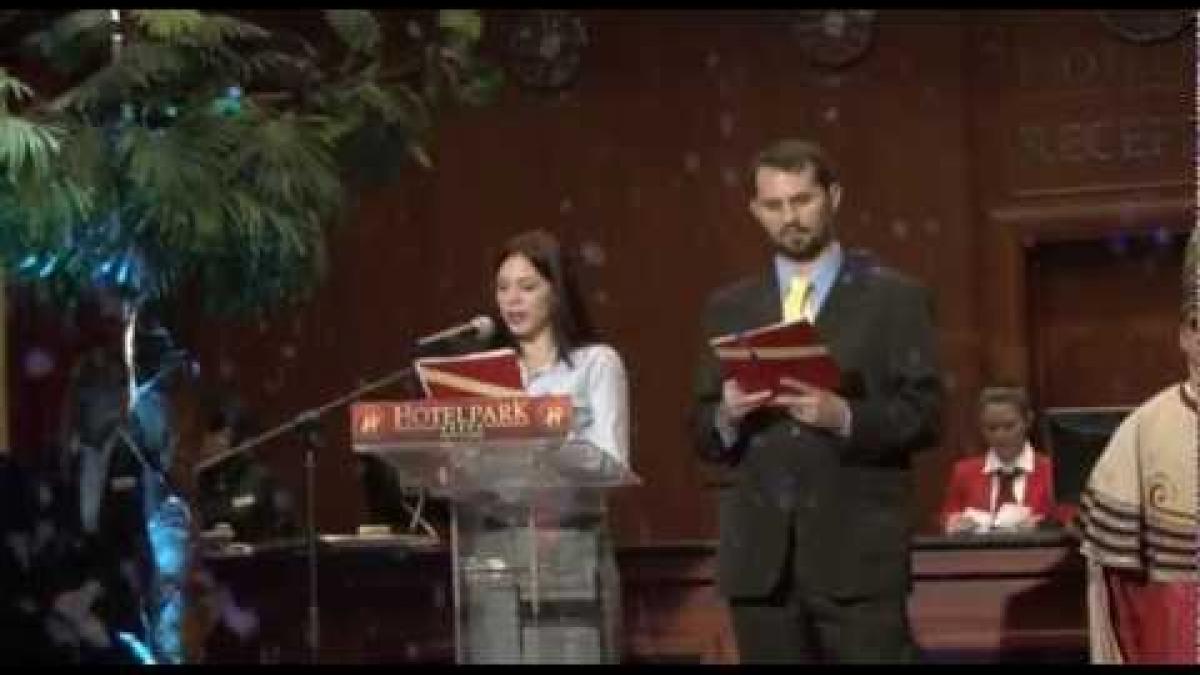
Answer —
1146 25
836 37
546 48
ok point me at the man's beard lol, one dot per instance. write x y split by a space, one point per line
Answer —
812 246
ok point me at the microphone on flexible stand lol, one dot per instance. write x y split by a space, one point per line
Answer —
481 327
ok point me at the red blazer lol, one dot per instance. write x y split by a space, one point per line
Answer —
971 487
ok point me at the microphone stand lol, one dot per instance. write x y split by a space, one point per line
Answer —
307 424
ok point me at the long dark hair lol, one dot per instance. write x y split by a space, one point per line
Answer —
568 316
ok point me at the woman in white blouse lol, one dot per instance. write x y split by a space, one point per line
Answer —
544 320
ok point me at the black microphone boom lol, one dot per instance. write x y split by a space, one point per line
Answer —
481 327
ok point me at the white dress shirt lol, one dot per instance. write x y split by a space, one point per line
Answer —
1023 461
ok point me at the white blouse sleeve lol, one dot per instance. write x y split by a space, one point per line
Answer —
608 389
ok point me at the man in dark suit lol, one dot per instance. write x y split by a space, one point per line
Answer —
815 518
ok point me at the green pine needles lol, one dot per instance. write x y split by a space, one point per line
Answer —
193 150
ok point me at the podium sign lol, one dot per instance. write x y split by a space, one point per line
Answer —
456 447
435 422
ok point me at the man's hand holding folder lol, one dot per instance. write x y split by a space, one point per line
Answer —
784 365
807 404
760 358
815 406
736 404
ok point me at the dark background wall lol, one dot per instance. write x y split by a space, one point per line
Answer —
1033 168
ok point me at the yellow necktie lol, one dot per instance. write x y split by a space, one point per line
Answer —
795 304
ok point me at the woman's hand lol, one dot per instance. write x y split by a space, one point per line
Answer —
959 523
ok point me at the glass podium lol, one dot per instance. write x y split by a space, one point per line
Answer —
534 580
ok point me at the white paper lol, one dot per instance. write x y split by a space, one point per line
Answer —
981 521
1011 517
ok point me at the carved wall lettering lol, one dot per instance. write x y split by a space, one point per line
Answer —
1055 67
1119 140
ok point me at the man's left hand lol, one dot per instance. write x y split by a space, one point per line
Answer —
813 406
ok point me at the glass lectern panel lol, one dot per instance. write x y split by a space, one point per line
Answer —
534 575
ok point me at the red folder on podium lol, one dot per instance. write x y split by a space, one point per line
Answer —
759 358
495 373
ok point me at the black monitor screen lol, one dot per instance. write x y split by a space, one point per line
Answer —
1076 437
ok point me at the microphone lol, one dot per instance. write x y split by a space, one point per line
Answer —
482 327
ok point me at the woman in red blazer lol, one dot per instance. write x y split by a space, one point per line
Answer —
977 495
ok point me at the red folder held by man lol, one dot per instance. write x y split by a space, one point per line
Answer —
759 358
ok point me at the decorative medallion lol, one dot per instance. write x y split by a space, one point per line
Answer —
546 49
1161 491
834 38
1146 25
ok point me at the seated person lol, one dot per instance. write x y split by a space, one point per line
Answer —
240 491
1008 488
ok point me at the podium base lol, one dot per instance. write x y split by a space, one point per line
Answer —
569 612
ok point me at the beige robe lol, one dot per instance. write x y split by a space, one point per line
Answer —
1138 510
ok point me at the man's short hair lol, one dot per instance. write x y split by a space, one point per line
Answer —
795 155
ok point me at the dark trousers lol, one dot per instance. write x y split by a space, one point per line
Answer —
796 624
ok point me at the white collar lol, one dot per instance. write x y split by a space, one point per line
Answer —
1024 461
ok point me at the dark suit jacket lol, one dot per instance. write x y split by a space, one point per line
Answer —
845 502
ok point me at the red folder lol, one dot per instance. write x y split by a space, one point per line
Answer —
759 358
495 373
